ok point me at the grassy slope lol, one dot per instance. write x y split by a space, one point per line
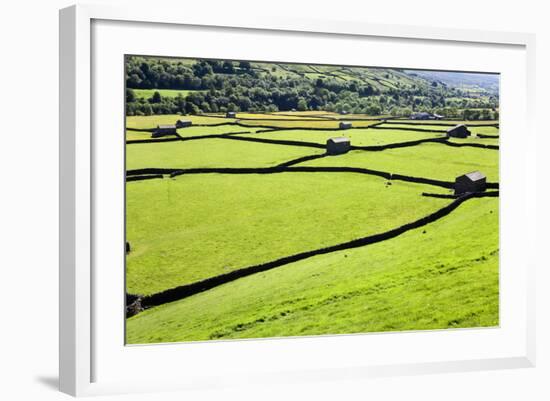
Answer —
444 275
211 152
429 160
197 226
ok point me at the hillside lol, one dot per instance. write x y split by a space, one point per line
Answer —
188 86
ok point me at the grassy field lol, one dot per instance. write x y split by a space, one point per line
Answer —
431 278
186 247
150 122
211 153
196 226
304 123
471 127
429 160
358 137
148 93
441 122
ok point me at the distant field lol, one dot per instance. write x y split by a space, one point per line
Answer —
304 123
443 122
426 160
148 93
150 122
358 137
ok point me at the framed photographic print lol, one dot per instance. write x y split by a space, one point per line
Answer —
290 200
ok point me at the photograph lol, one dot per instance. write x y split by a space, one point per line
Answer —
268 199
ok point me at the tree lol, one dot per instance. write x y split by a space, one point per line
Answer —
227 67
130 95
302 105
245 65
156 98
147 109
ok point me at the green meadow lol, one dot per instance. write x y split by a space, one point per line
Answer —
192 227
196 226
211 152
358 137
431 160
431 278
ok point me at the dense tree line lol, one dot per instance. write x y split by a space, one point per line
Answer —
219 86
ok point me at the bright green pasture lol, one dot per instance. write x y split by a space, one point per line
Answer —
148 122
133 135
304 123
193 131
211 152
358 137
148 93
472 128
193 227
474 139
285 116
308 113
443 275
439 122
215 130
483 130
430 160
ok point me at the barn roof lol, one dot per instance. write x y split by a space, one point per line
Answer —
165 126
459 126
475 176
339 139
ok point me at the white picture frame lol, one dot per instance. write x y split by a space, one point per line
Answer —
81 343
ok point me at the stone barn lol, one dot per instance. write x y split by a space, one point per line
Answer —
338 145
345 124
183 123
471 182
231 114
460 131
164 130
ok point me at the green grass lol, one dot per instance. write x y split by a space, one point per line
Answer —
211 152
216 130
149 122
193 227
430 160
305 124
358 137
438 122
148 93
444 275
474 139
283 116
473 129
134 135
